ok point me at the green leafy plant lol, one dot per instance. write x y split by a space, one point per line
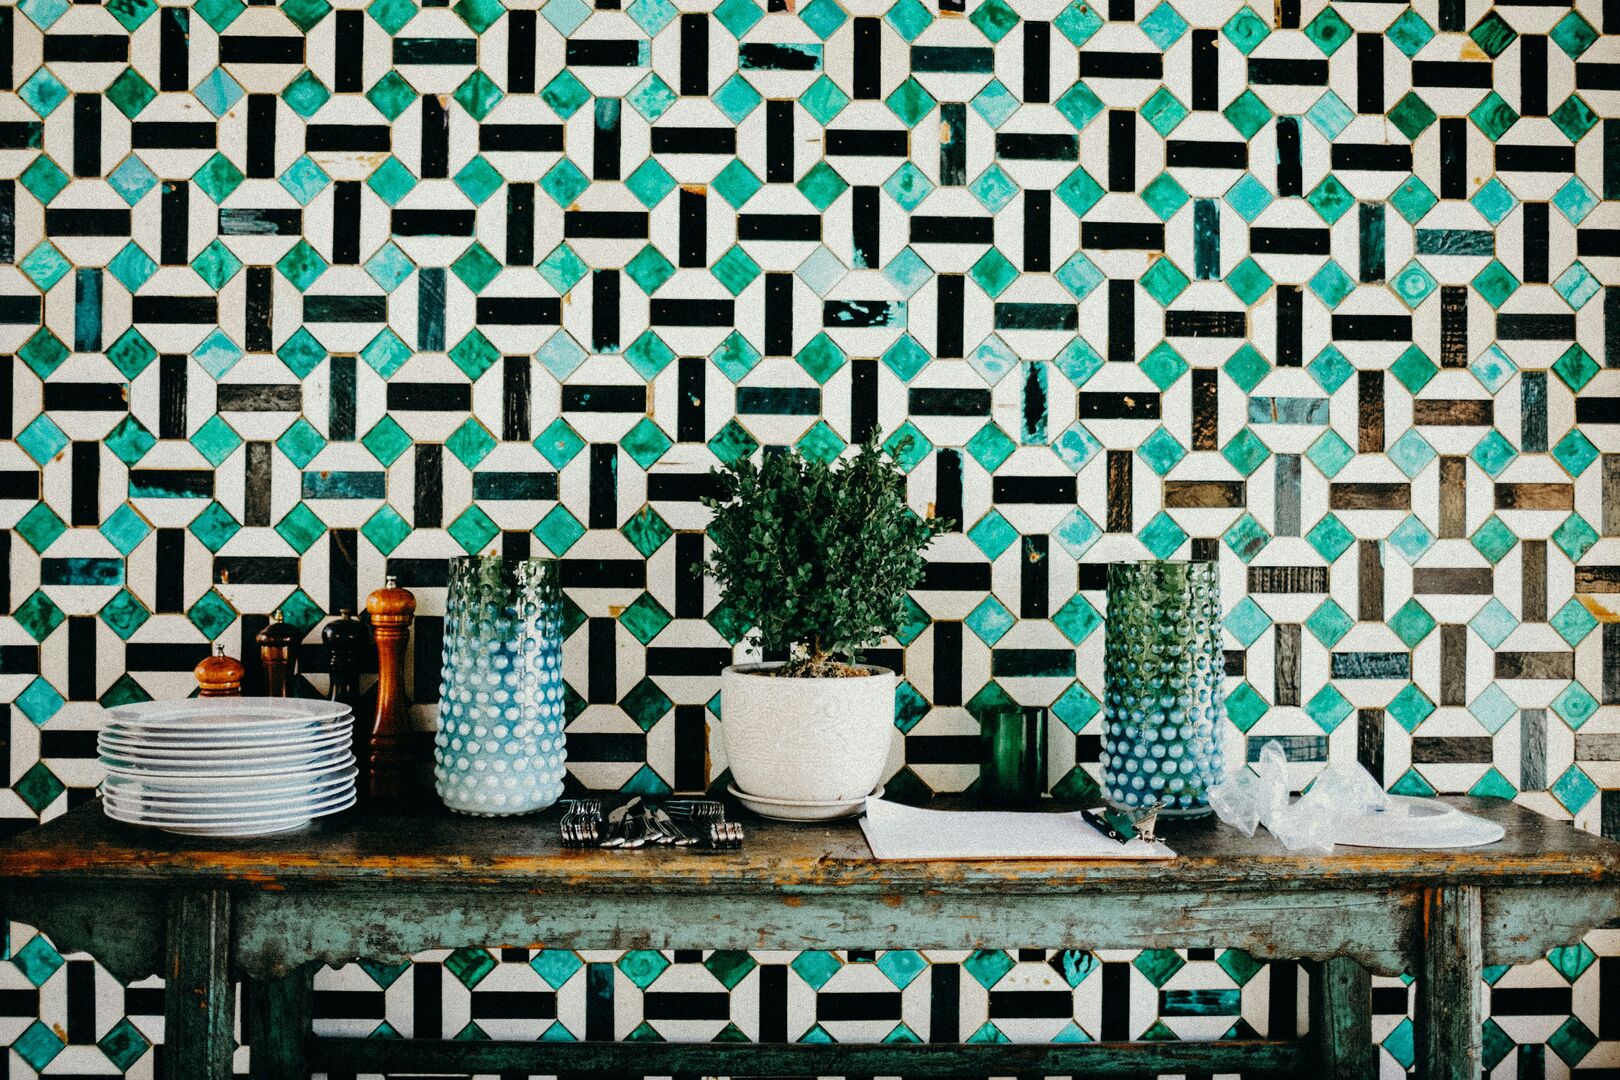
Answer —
817 556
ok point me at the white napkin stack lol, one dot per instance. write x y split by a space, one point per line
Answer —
906 832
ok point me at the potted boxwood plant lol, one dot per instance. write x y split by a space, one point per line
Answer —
817 557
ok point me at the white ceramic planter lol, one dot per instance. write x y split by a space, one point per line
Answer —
806 740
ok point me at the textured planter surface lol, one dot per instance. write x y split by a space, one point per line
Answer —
810 740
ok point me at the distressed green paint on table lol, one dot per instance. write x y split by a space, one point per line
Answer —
384 882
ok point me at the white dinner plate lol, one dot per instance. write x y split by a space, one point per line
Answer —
227 766
307 807
217 777
230 714
126 788
793 810
145 751
267 827
199 739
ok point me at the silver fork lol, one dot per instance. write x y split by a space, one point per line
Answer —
582 824
618 825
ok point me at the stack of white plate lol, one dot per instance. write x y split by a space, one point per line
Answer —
227 766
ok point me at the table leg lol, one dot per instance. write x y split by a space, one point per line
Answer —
276 1024
1448 998
198 1005
1341 1019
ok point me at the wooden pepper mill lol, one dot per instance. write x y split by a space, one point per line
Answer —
392 609
344 636
278 651
219 675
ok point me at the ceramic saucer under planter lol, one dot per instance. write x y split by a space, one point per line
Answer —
791 810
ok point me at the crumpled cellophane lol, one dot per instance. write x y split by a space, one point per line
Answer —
1246 800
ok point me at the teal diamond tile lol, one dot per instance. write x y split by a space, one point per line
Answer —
1162 536
646 443
1412 623
473 530
824 100
43 179
470 443
1160 451
1330 538
1575 452
1494 200
646 531
1329 623
212 615
301 442
1413 284
1077 619
1576 285
125 528
1575 704
1493 539
992 534
42 439
1413 199
990 447
1327 708
214 526
1411 453
995 103
1247 621
1573 622
1492 708
39 702
1163 112
990 620
38 1045
1245 30
1410 707
1493 453
40 527
386 440
1493 623
910 102
645 618
650 183
1411 538
1575 368
123 1045
1574 789
559 530
1574 537
994 189
1246 538
1246 452
1492 368
1329 115
1245 707
1247 113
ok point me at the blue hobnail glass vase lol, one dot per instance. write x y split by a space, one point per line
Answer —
1163 695
500 748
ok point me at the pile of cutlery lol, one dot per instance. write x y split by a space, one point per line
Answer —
690 823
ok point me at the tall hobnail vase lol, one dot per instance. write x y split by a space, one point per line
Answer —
500 747
1163 698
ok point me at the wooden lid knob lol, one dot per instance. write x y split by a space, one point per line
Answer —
279 634
219 675
391 603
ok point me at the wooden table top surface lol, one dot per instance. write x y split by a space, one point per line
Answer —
418 842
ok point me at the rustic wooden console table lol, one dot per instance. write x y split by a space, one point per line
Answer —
386 881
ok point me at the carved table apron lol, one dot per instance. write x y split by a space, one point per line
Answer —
389 880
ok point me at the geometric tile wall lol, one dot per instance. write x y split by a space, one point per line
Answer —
295 295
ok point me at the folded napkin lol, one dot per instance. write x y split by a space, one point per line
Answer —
905 832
